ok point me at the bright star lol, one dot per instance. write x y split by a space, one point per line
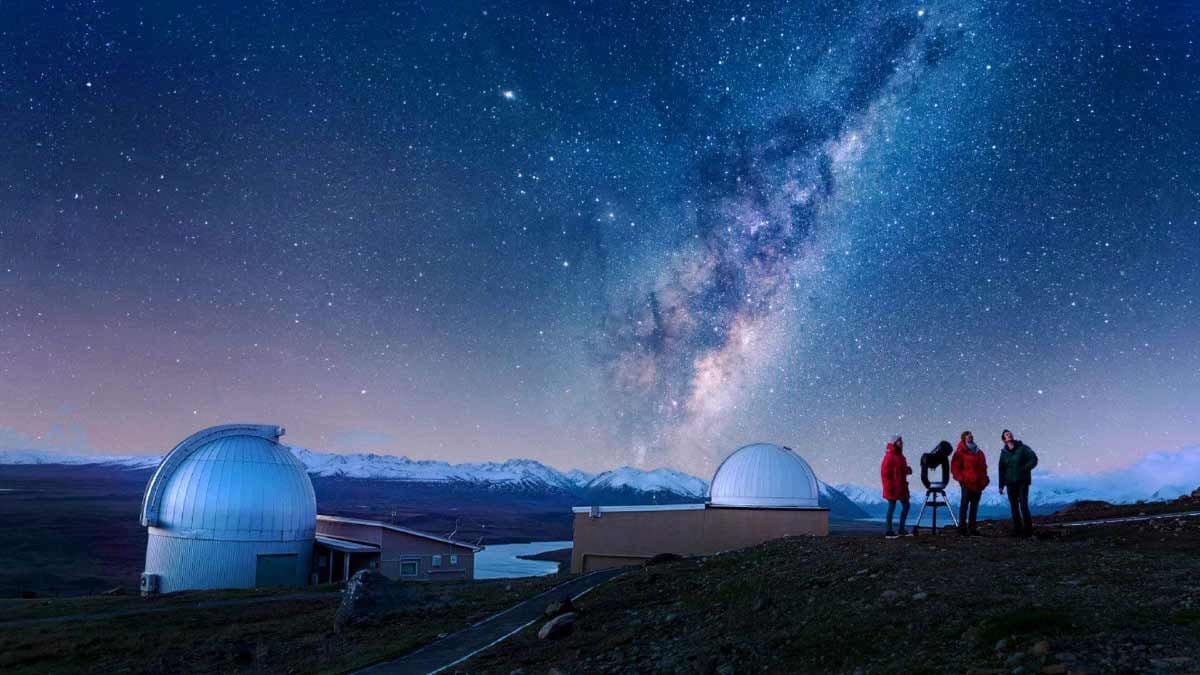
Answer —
509 94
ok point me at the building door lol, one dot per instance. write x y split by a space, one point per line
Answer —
275 570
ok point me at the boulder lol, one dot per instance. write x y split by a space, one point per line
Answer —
368 597
563 606
560 626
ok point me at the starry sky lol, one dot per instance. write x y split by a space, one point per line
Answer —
603 233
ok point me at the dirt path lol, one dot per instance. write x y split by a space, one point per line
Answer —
454 649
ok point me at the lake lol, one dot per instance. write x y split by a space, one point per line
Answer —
500 561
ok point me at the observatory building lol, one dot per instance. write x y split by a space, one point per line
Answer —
760 492
229 507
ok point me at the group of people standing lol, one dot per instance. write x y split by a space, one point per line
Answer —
968 466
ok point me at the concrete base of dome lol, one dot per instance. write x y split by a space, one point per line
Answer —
194 564
617 536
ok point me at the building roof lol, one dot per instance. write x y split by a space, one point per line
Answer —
346 545
647 507
764 475
397 528
232 483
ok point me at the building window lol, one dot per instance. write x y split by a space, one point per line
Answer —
437 561
408 568
454 561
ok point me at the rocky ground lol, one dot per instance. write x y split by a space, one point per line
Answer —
1111 599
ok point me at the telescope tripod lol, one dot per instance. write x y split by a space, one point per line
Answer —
932 500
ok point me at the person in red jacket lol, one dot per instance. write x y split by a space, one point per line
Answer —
969 468
894 474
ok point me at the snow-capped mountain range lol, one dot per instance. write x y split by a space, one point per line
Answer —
514 473
526 473
1156 476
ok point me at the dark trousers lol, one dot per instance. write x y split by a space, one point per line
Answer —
903 512
1018 500
968 509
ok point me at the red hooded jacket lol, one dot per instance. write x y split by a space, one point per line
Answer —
969 468
894 474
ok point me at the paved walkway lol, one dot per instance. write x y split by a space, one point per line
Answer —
1126 519
458 647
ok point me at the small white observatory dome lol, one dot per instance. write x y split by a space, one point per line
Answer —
229 507
764 475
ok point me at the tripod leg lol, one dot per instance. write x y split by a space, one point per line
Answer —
919 516
951 510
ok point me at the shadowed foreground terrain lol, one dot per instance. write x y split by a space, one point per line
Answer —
1114 599
283 631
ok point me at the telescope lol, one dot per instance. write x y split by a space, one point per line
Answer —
938 458
935 490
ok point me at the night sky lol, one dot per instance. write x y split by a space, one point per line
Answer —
603 233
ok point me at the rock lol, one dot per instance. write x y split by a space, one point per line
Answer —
1014 659
560 626
760 603
1001 645
518 671
663 558
1040 649
725 669
889 596
1054 669
920 596
560 607
367 597
1019 670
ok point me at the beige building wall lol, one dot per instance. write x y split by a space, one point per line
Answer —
629 537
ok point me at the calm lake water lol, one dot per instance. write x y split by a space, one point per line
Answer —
500 561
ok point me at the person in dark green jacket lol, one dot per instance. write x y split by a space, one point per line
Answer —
1016 473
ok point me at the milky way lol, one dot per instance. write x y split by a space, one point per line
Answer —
719 312
599 234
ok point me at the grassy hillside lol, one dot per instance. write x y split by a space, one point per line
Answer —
235 631
1118 599
70 530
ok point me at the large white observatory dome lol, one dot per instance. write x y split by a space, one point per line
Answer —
229 507
764 475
